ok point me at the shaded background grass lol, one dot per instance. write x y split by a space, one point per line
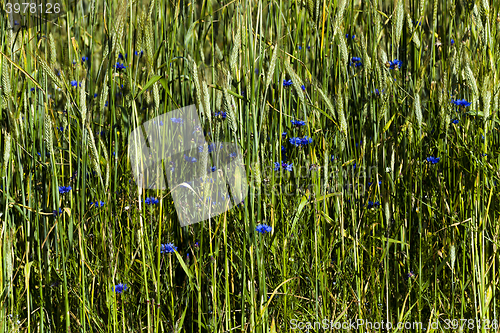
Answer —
418 244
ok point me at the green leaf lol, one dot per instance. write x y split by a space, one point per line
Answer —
302 204
390 240
150 83
386 127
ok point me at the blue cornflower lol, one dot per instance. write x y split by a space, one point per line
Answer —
454 121
263 228
276 166
190 159
452 41
461 102
355 59
410 275
56 213
432 159
300 47
232 155
32 89
283 135
287 167
95 95
395 64
85 59
308 47
372 204
287 83
73 83
60 128
97 203
300 142
106 104
177 120
139 53
303 87
168 248
119 288
356 63
120 56
64 189
298 123
151 201
119 66
221 114
213 169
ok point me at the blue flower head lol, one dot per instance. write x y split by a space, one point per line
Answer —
454 121
433 160
287 83
221 114
461 102
177 120
56 213
395 64
73 83
119 66
190 159
64 189
300 141
85 59
151 201
119 288
168 248
263 228
372 204
298 123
